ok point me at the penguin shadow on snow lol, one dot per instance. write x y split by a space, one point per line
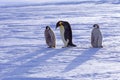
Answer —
31 62
80 59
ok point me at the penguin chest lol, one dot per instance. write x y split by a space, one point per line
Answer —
62 32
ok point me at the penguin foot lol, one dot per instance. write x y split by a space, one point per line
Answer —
64 46
98 47
51 47
69 45
72 45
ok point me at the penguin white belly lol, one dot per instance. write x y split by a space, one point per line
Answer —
62 30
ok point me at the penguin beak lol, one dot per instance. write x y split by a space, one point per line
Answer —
57 25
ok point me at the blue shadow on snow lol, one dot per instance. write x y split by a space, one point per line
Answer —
31 62
85 56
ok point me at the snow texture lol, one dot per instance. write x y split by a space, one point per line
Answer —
24 54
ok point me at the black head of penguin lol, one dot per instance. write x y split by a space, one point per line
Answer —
59 23
96 25
47 27
65 24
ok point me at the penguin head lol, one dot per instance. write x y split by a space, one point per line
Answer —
96 26
59 23
62 23
47 28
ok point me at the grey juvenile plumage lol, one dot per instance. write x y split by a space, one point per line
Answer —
96 37
50 37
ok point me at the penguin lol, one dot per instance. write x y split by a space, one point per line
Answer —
96 37
66 33
50 37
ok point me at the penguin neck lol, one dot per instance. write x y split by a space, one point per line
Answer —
62 30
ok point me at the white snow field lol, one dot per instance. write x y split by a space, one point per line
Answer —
24 54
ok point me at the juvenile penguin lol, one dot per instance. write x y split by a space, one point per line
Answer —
66 33
96 37
50 37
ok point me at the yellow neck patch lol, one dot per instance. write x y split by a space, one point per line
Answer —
61 27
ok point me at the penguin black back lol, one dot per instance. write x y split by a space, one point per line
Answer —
68 32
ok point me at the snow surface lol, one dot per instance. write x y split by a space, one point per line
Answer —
25 56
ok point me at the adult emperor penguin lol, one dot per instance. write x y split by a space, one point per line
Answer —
50 37
96 37
66 33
